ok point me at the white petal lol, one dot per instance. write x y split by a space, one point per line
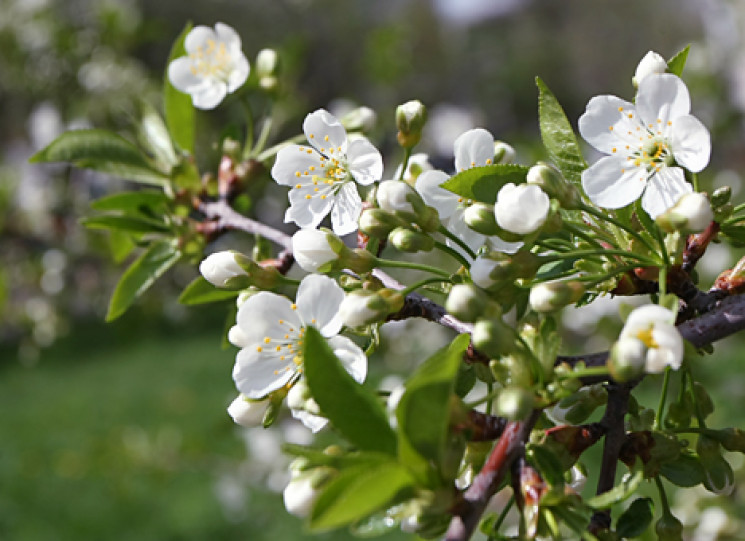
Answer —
428 186
228 36
307 212
606 125
663 190
643 317
503 246
473 148
314 422
318 301
239 73
521 209
198 37
320 125
181 76
260 317
612 183
257 375
691 143
668 340
346 210
662 98
295 159
312 249
457 225
237 337
351 356
365 161
211 96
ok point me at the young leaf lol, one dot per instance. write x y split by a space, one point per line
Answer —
154 137
103 151
130 201
636 519
684 471
558 136
180 115
618 493
423 412
131 224
357 493
120 245
160 256
200 291
677 63
352 409
483 183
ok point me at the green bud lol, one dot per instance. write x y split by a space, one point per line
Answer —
723 212
514 403
551 181
627 359
669 528
467 302
721 196
410 241
493 338
410 119
480 217
379 223
551 296
691 214
503 152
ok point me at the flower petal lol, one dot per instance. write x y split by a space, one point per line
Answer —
181 76
239 73
611 183
351 356
428 186
663 190
457 225
346 210
318 301
228 36
261 314
365 161
198 37
610 123
211 96
294 159
256 375
661 99
324 131
313 422
691 143
307 212
473 148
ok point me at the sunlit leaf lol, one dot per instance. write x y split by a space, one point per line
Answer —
677 63
200 291
179 110
483 183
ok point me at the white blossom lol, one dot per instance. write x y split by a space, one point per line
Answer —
215 65
646 143
219 268
322 175
246 412
521 209
312 250
653 327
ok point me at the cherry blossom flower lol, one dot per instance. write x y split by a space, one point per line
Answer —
323 174
270 331
651 330
521 209
215 65
646 143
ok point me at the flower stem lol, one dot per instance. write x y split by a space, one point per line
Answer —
600 252
663 399
453 253
601 216
413 266
422 283
266 129
457 241
663 496
249 125
405 163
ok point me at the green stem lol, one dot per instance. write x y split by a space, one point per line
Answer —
405 164
663 399
694 181
577 232
589 371
266 129
249 125
489 391
422 283
662 279
601 216
503 515
601 252
457 241
696 405
453 253
413 266
663 497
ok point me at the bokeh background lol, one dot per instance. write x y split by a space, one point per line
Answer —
119 431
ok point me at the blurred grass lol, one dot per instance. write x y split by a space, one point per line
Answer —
119 434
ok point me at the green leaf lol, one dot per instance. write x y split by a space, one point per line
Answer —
352 409
483 183
636 519
130 224
423 412
160 256
547 464
179 110
121 245
131 201
200 291
620 492
558 135
358 492
684 471
154 136
103 151
677 63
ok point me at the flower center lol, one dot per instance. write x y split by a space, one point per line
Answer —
333 173
211 60
646 337
654 154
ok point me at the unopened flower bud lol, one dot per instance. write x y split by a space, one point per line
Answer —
410 119
362 306
493 337
719 477
668 528
514 403
316 250
721 196
651 63
466 302
398 196
551 296
491 269
552 182
247 412
503 153
361 119
407 240
299 496
480 217
521 209
222 270
379 223
627 359
267 63
691 214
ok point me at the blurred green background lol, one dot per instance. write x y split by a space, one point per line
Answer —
119 431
